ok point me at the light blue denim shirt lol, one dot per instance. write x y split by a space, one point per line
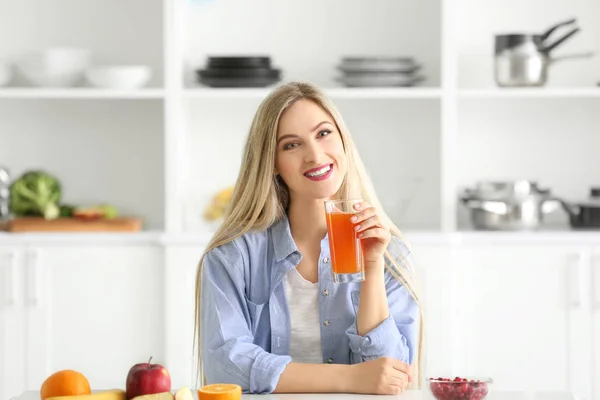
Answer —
245 323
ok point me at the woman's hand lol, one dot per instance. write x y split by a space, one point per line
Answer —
381 376
373 231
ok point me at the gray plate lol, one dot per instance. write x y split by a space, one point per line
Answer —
383 64
379 80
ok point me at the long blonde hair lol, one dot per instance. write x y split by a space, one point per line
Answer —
260 198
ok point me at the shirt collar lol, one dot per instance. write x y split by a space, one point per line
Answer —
283 243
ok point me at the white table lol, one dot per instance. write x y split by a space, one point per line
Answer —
408 395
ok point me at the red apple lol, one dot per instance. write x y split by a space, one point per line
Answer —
147 378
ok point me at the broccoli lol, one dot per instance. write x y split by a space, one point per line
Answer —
35 193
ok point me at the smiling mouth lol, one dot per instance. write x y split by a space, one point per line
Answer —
320 172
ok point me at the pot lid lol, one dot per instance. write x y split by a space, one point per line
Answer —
501 190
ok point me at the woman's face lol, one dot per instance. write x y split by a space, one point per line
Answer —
310 154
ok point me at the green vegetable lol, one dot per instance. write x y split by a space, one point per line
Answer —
66 210
35 193
109 211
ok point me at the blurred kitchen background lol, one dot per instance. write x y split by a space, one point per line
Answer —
478 122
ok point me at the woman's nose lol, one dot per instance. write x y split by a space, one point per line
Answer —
313 152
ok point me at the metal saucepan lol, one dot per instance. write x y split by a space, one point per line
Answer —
524 59
514 205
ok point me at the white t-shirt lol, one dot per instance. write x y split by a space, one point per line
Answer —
303 303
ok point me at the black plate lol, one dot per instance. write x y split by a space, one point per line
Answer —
239 73
238 82
239 62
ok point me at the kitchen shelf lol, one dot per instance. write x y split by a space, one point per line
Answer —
79 93
523 93
440 125
87 238
334 92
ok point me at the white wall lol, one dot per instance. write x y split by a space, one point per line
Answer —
307 38
398 141
100 150
480 21
117 32
552 141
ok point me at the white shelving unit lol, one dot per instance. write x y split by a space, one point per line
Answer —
82 93
422 144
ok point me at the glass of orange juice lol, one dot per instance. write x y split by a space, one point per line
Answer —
345 247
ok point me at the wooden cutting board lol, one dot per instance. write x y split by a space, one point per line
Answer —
35 224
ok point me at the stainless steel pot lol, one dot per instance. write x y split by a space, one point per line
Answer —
514 205
524 59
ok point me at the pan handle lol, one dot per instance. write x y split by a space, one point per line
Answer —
551 30
549 48
589 54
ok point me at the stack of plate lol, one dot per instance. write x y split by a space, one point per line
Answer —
238 72
379 71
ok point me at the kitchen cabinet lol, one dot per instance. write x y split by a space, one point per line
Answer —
434 271
524 312
180 284
13 371
594 309
524 317
96 309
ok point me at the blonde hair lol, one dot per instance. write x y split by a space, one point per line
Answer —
260 198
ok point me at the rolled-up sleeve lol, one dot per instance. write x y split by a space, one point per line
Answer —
228 352
397 336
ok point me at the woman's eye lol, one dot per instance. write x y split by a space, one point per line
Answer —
324 132
288 146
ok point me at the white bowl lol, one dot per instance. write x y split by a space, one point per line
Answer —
119 76
55 67
6 72
65 58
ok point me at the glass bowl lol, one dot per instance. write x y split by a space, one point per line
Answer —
460 388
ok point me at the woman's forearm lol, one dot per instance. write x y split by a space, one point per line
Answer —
373 308
315 378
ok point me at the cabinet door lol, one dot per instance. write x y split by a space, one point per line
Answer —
181 264
434 268
95 309
595 313
12 323
522 319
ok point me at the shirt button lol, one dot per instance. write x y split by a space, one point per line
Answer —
329 360
326 260
325 292
326 323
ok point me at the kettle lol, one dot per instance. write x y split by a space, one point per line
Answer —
523 59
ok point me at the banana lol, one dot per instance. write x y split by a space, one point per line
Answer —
156 396
114 394
184 394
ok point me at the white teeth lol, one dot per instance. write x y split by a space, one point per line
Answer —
320 172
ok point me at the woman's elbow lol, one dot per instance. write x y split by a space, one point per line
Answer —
214 372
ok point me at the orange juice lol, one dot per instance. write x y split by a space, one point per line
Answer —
345 248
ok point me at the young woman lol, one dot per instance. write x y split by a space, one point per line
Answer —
268 315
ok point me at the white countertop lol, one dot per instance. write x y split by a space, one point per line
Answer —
416 238
408 395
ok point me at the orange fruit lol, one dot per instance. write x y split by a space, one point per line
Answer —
220 391
65 383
